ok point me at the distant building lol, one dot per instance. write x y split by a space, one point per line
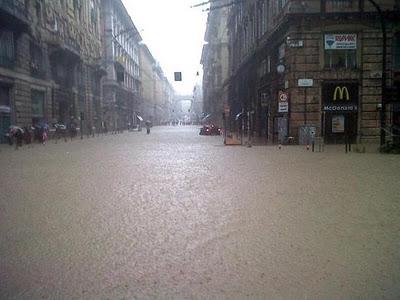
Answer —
121 47
50 62
302 66
197 104
215 61
157 93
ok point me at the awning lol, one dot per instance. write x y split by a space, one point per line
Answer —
238 116
139 117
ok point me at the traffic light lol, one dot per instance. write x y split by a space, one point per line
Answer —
178 76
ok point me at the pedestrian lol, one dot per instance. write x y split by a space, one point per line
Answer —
18 135
45 136
27 135
148 125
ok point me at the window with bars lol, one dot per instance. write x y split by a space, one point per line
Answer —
7 48
341 5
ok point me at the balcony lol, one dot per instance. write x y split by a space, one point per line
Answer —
14 12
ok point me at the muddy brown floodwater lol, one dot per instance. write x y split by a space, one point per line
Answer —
175 215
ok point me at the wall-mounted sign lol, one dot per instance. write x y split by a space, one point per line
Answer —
283 107
340 41
304 82
280 68
295 43
343 108
338 124
283 96
340 96
283 101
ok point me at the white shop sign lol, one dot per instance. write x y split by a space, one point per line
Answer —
283 107
340 41
305 82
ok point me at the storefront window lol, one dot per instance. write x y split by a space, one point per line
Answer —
37 104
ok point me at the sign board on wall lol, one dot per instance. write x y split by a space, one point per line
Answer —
283 101
283 107
340 96
305 82
340 41
338 124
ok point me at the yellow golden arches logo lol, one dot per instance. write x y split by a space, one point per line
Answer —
343 91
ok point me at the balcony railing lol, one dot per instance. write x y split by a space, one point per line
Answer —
16 9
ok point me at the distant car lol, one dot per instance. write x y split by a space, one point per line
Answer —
210 130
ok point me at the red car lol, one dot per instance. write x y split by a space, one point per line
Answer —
210 130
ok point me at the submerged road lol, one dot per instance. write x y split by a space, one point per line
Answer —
175 215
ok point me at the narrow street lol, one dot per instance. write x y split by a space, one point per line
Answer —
175 215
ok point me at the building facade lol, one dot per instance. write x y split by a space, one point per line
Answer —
215 61
299 68
121 49
50 62
157 92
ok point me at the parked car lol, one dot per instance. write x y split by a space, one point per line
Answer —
210 130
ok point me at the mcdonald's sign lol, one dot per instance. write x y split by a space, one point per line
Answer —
342 92
340 96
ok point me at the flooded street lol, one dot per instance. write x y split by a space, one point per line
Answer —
175 215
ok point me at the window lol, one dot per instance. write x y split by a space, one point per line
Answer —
38 10
341 5
36 64
396 50
93 16
346 59
4 96
37 104
7 52
340 50
280 4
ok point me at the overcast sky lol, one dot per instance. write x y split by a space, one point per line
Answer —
174 33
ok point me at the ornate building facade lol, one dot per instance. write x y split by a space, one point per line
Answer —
299 68
122 85
50 62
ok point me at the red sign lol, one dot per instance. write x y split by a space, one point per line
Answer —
283 96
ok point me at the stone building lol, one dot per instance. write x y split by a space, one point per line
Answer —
197 103
299 67
50 62
122 85
157 92
215 61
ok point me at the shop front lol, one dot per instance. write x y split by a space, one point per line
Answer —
339 109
